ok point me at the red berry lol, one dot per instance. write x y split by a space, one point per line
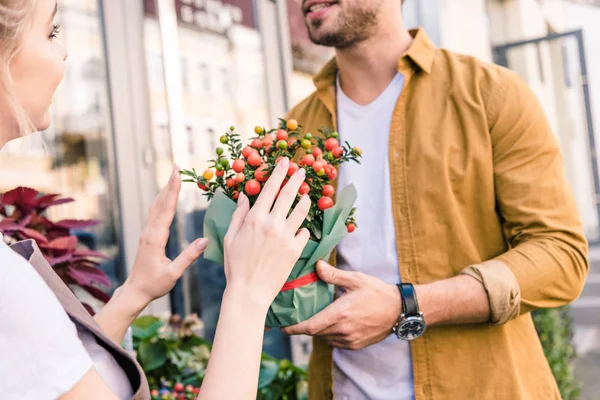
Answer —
329 168
202 186
257 144
332 175
247 151
178 387
292 142
331 144
220 173
317 152
338 152
328 190
268 141
189 388
235 195
252 187
285 182
317 166
325 203
238 165
239 178
282 135
154 392
304 188
196 390
255 160
262 173
308 160
292 169
230 182
351 227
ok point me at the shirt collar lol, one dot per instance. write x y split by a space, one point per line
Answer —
421 52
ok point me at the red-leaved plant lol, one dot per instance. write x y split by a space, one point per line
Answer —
22 217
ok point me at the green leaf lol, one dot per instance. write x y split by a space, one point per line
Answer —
146 327
268 373
152 355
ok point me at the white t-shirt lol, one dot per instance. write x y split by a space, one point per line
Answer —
384 370
41 356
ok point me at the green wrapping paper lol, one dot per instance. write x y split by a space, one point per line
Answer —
296 305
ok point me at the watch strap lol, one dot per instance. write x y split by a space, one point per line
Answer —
410 307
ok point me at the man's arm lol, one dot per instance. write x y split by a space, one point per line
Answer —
547 263
545 266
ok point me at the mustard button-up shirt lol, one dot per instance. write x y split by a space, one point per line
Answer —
478 188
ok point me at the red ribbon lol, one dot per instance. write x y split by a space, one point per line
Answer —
302 281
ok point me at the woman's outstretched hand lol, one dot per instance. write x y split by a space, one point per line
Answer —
263 244
153 274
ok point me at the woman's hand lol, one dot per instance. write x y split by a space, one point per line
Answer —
263 244
261 248
153 275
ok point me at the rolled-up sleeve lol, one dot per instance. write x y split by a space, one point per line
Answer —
546 264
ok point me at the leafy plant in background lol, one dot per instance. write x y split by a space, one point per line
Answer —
173 356
554 327
22 217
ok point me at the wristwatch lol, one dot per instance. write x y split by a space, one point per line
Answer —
411 324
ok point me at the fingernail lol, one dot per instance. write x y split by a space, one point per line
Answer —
201 244
302 172
241 200
285 162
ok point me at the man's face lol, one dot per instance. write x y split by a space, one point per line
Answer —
341 23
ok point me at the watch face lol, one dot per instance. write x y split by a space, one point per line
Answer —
411 329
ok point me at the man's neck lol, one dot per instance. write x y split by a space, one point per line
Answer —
368 68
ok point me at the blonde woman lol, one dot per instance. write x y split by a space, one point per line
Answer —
49 346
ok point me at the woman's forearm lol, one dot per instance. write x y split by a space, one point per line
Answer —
234 364
118 314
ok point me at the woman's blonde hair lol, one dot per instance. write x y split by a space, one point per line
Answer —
15 21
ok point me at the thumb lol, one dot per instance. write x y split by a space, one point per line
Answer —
188 256
336 276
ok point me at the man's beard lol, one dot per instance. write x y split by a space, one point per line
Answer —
352 28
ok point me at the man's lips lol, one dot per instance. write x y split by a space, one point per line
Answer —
314 6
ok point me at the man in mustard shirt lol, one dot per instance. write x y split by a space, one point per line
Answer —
466 221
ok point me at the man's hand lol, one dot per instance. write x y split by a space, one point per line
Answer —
362 316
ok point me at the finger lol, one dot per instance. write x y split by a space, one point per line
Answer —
302 238
339 344
337 277
188 256
267 329
267 196
167 200
160 216
239 216
288 195
299 214
316 324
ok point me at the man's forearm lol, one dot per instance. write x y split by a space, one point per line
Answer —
458 300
